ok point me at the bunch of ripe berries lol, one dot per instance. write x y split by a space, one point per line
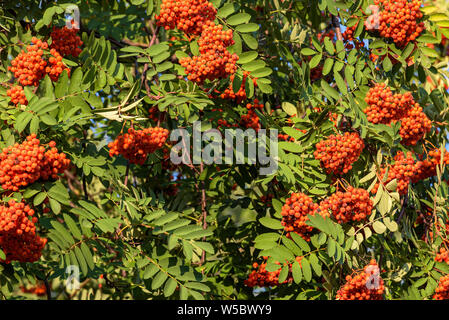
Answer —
387 108
399 20
18 238
339 152
25 163
32 64
136 145
365 285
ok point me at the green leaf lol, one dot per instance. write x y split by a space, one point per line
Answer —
271 223
39 198
250 41
170 287
197 286
379 227
239 18
296 272
247 57
248 27
328 63
158 280
226 10
289 108
306 270
72 226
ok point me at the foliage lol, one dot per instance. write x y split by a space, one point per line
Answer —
193 231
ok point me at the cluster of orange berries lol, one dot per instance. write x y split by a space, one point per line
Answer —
240 95
285 137
214 61
295 215
251 119
386 108
66 41
135 145
188 16
398 19
365 285
18 238
414 126
326 34
260 277
25 163
442 291
221 122
17 95
407 171
402 170
427 168
442 255
29 67
348 35
56 66
263 278
339 152
39 289
352 205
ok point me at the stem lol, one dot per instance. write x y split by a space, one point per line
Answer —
203 210
336 24
404 205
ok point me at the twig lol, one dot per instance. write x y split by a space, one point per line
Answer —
404 206
336 24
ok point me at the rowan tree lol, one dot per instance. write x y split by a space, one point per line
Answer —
356 209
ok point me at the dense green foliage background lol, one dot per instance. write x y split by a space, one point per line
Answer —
148 238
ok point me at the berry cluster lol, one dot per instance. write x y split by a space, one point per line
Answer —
39 290
285 137
386 108
66 41
295 215
251 119
414 126
428 167
135 145
214 61
442 255
18 238
402 170
365 285
339 152
188 16
348 35
29 67
260 277
263 278
240 95
352 205
25 163
398 20
442 291
56 66
17 95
